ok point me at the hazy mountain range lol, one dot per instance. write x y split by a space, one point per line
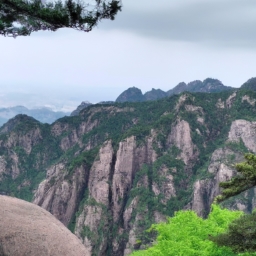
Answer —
134 94
44 115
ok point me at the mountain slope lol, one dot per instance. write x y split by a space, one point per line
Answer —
250 84
115 169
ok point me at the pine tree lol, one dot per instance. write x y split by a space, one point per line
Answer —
22 17
245 179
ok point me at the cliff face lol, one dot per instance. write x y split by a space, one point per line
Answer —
222 168
61 192
112 171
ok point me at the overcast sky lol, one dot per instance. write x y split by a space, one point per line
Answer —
149 45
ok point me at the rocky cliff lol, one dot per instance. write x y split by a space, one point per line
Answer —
115 169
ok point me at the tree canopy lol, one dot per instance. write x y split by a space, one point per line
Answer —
245 179
188 234
241 233
22 17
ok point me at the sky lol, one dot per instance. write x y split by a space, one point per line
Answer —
149 45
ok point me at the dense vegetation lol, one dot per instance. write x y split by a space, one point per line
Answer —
188 234
223 233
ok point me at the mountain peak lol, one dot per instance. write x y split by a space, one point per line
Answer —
83 105
250 84
132 94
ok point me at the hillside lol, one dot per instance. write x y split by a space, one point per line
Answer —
115 169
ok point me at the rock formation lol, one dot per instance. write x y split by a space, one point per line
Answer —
29 230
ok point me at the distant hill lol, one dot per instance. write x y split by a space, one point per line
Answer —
250 84
132 94
44 115
155 94
82 106
209 85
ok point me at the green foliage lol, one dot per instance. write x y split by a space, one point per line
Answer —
187 234
86 158
237 146
245 180
240 236
34 15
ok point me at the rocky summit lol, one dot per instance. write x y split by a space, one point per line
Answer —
115 169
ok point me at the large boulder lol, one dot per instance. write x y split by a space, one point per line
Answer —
29 230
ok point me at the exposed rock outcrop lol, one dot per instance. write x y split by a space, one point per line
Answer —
244 130
94 214
60 193
222 169
181 138
249 100
29 230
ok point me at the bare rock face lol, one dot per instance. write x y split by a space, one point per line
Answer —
94 212
220 104
222 168
181 138
25 141
2 166
249 100
111 179
13 169
206 190
245 130
230 100
29 230
166 187
60 194
75 136
100 174
123 174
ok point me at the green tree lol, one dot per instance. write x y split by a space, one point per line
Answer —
240 236
187 234
22 17
241 233
245 179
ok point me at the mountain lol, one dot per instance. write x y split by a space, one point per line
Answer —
82 106
113 170
132 94
250 84
209 85
44 115
155 94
